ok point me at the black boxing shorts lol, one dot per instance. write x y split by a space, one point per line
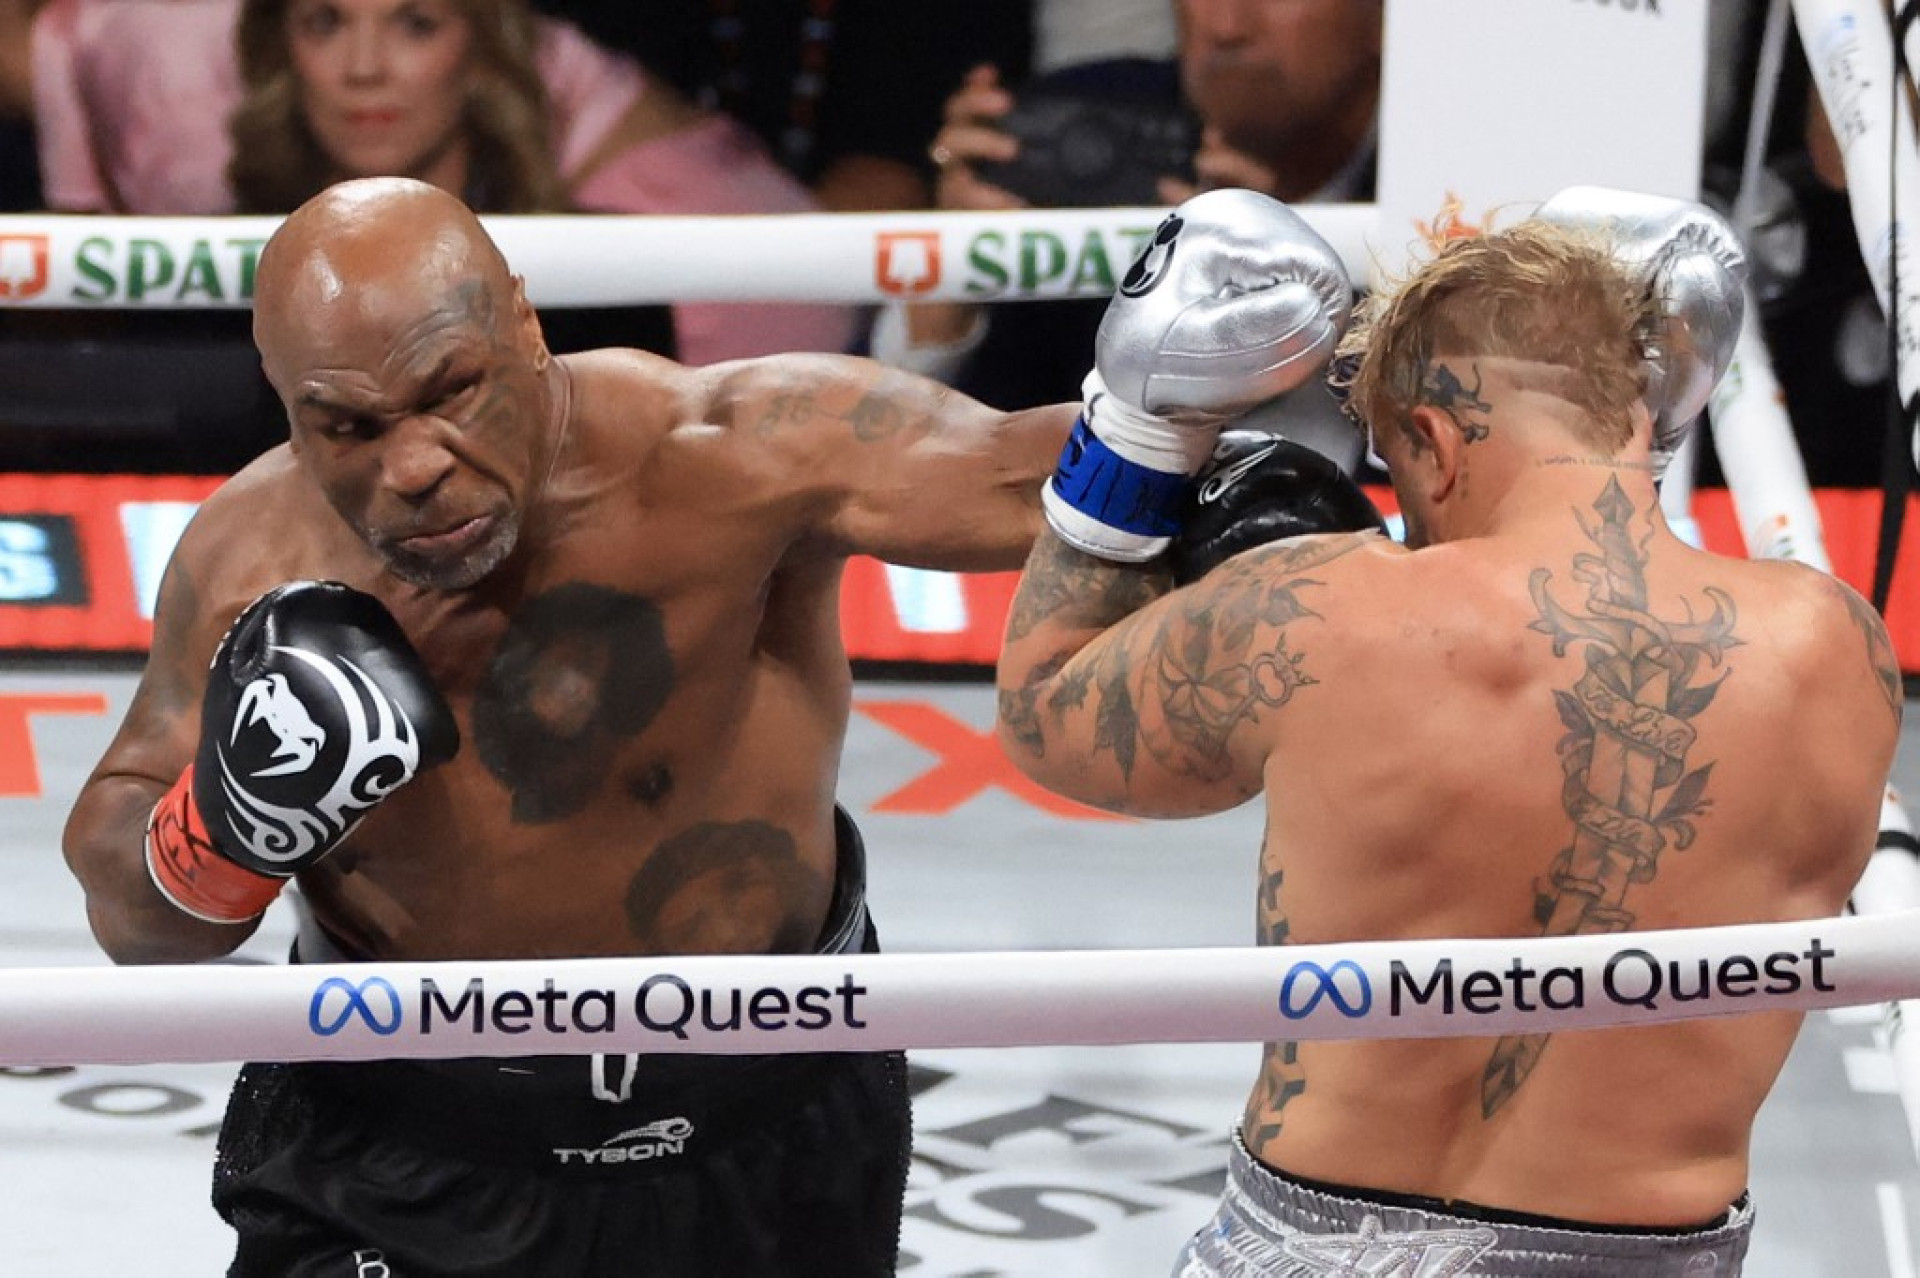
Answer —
574 1166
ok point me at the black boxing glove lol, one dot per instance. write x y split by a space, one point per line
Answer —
1258 488
317 708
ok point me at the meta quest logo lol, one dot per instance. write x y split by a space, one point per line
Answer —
667 1004
664 1003
1630 977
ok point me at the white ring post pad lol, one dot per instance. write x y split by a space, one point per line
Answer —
878 1002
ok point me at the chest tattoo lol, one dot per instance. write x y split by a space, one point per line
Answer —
581 669
723 887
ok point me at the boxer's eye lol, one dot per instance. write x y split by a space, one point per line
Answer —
457 394
352 428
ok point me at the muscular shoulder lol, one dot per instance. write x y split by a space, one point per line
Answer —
251 513
786 400
800 422
1336 584
1840 630
737 433
626 401
265 525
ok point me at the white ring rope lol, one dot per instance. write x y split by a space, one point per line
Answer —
875 1002
625 259
1850 50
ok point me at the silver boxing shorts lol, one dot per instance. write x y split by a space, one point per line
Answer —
1273 1227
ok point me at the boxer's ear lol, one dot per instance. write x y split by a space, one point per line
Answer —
1436 451
527 321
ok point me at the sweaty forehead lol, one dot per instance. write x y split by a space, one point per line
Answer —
360 301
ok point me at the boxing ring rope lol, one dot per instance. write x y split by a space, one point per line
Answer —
623 260
121 1015
1849 44
874 1002
1850 50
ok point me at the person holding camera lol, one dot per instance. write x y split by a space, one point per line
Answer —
1280 99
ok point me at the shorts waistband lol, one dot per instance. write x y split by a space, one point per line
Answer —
1508 1243
571 1110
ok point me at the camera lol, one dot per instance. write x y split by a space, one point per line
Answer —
1082 148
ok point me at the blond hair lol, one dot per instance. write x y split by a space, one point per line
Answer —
1533 292
277 163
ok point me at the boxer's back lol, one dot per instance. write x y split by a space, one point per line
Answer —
1584 731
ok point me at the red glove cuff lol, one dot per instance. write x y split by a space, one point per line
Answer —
189 870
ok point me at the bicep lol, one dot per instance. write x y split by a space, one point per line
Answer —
1169 712
1174 710
895 465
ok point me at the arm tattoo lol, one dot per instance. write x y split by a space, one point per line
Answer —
1886 666
1019 712
1220 662
1216 671
1063 586
1066 587
782 409
1179 689
876 417
580 669
1630 789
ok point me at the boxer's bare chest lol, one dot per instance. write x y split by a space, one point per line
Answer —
609 706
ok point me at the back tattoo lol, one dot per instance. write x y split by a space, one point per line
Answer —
1632 788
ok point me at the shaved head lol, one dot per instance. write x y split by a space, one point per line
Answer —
415 378
380 254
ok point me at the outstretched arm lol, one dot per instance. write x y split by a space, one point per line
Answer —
881 462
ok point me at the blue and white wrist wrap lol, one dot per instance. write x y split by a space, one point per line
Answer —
1107 505
1123 477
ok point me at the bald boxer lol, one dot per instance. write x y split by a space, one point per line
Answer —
510 656
1543 715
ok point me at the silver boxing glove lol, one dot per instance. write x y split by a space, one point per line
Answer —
1234 301
1695 262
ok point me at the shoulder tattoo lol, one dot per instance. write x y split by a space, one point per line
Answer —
1220 657
1879 645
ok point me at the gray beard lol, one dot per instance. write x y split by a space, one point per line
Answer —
455 574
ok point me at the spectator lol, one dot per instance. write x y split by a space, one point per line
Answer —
1286 98
546 120
19 173
1823 323
844 94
